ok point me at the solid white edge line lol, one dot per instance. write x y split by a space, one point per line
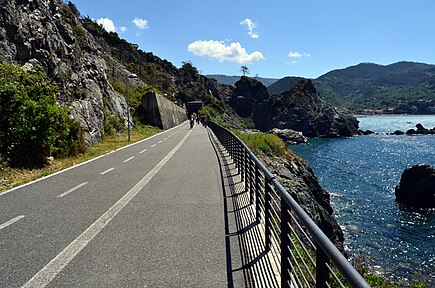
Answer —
86 162
10 222
44 276
107 171
126 160
72 190
144 150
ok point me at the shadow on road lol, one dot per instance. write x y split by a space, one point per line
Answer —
248 263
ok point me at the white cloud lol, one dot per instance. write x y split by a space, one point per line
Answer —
297 54
251 26
107 24
218 50
123 29
140 23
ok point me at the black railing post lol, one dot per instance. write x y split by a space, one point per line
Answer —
257 193
253 183
242 162
285 244
267 212
322 273
247 178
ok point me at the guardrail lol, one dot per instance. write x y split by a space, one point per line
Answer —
304 254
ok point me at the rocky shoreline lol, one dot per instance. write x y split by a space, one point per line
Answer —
419 131
302 184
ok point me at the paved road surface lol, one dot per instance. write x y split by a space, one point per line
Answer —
149 215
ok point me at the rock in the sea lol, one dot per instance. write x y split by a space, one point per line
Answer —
420 128
289 136
364 132
398 132
417 187
411 132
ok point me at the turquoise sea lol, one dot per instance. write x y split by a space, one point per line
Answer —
361 174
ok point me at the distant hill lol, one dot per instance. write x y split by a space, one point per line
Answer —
283 84
231 80
372 86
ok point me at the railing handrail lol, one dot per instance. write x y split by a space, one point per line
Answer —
332 252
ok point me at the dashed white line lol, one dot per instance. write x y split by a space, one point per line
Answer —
12 221
159 142
165 139
58 263
72 190
153 145
126 160
107 171
144 150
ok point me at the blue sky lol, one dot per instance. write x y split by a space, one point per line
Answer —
273 38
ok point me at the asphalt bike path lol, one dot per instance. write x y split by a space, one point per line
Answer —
38 222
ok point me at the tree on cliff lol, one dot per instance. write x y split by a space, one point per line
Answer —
244 69
32 126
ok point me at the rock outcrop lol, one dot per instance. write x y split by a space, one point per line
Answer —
417 187
299 180
421 130
48 34
289 136
301 109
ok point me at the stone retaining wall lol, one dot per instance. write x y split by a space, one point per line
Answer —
161 112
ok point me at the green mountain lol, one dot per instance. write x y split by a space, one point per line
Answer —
284 84
231 80
408 87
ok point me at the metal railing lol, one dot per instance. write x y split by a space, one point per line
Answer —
303 253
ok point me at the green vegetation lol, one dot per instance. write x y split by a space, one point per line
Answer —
32 126
371 86
268 143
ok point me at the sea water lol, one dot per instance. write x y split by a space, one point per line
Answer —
361 174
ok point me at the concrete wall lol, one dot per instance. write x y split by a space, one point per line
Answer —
161 112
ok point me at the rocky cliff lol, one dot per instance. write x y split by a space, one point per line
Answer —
417 187
301 109
299 180
50 35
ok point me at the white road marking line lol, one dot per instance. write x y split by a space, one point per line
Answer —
88 161
107 171
170 136
56 265
159 142
165 139
144 150
154 145
12 221
72 190
126 160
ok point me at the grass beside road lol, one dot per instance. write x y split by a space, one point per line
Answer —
12 177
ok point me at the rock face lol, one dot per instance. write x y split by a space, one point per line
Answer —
417 187
299 180
46 33
301 109
289 136
420 130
